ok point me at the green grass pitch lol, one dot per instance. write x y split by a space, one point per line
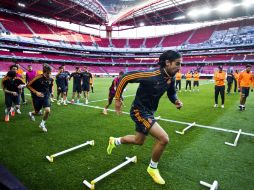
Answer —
198 155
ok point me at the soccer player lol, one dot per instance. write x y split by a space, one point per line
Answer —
77 76
91 83
178 80
11 85
41 89
61 83
188 81
152 85
86 76
196 81
219 78
230 79
245 81
30 74
20 74
236 77
112 91
67 73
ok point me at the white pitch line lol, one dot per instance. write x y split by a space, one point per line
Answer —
179 122
107 98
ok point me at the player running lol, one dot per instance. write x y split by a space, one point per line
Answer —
12 86
152 85
41 89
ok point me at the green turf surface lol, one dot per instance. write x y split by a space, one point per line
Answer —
198 155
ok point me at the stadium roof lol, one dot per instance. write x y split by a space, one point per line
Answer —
76 11
132 12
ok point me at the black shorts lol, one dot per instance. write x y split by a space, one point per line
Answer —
86 87
196 83
10 99
39 102
144 120
245 91
76 88
62 89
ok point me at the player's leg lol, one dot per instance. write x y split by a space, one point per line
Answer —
161 141
23 96
37 105
79 94
180 85
222 93
46 105
65 91
73 96
235 85
16 102
110 100
8 104
216 95
87 96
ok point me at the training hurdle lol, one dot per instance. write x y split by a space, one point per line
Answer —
213 186
92 184
236 139
51 158
185 129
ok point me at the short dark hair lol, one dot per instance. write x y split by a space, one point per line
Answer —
220 67
61 67
248 65
121 73
11 67
46 68
169 55
77 68
11 74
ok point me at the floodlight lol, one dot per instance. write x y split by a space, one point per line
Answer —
21 5
179 18
193 13
247 3
205 11
142 24
225 7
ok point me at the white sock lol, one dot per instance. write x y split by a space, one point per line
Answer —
43 122
118 141
6 111
61 99
64 101
153 164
